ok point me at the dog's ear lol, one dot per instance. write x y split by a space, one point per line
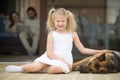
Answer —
102 57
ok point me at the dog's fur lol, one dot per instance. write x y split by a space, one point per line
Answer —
99 63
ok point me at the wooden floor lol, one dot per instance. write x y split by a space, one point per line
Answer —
74 75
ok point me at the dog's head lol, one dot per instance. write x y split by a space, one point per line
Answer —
105 63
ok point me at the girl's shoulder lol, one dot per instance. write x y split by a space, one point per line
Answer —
51 33
74 33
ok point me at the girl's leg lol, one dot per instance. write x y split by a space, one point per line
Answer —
53 70
33 67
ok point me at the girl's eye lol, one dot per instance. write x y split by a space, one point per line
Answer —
63 20
57 21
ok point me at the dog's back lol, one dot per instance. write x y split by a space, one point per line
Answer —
100 63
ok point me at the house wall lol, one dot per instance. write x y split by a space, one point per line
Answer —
22 6
96 8
112 10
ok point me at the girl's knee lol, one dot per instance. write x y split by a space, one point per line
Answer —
34 67
31 68
54 70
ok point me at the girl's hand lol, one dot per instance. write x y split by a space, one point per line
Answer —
69 66
104 51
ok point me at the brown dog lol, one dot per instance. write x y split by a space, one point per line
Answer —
99 63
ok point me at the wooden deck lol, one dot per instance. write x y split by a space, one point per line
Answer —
74 75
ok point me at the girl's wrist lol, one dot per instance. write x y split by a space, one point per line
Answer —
103 51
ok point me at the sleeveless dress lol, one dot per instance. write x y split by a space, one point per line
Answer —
62 46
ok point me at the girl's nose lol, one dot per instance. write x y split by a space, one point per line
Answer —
60 23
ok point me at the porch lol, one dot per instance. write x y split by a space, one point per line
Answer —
74 75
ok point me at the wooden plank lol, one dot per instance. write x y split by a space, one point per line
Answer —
28 76
114 76
69 76
51 77
98 77
74 75
43 17
8 76
82 76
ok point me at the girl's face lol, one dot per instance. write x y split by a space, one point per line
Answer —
60 22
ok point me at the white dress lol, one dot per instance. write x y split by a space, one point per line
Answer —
62 46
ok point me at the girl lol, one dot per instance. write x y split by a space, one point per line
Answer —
58 57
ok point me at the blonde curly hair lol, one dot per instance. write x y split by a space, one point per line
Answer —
71 23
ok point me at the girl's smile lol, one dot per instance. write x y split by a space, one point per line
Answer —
60 22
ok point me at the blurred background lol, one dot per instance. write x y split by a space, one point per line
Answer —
98 25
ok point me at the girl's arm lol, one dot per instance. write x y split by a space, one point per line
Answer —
84 50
